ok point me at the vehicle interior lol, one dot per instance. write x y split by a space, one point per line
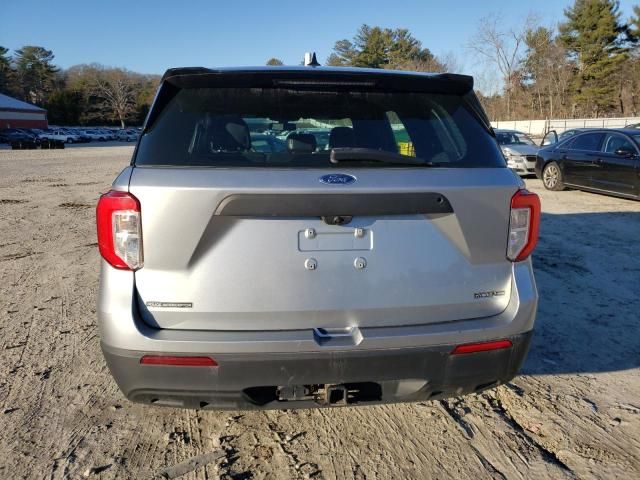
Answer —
615 143
213 127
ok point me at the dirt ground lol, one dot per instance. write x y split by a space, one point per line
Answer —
575 411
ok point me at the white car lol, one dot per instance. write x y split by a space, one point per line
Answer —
519 150
59 134
95 134
110 134
127 135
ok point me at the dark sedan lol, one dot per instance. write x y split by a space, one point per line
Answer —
598 160
13 135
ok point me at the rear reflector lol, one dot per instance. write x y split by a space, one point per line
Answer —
481 347
178 361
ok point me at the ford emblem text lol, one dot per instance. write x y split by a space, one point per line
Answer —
337 179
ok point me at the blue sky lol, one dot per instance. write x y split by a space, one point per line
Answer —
149 37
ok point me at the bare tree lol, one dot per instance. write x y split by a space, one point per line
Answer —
116 91
502 49
436 64
543 69
450 62
429 65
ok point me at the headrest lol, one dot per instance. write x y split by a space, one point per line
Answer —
341 137
229 134
301 142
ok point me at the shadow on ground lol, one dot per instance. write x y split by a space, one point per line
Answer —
587 268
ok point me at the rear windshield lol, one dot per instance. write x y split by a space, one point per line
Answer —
281 127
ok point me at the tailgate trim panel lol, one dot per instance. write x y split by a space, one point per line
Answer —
326 204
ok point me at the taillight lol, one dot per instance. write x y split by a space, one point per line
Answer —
120 230
524 225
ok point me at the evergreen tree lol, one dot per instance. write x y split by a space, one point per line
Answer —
633 68
377 47
343 54
634 27
35 73
7 75
65 107
595 40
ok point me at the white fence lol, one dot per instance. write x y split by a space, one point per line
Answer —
539 127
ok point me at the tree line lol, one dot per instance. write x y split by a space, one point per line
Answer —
80 95
588 65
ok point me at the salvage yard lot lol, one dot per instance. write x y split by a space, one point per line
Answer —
575 411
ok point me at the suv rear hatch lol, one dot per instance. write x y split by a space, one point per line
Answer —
250 223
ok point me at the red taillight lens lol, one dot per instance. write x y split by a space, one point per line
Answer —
481 347
120 230
178 361
524 225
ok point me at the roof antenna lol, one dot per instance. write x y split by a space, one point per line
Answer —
310 59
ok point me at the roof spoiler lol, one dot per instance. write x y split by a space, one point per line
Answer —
176 79
392 80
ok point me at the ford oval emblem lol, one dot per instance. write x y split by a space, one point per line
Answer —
337 179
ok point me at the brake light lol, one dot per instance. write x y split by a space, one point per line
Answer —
120 230
178 361
524 225
481 347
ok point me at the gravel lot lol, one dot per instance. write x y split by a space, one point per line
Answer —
575 412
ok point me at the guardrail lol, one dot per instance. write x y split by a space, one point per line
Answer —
540 127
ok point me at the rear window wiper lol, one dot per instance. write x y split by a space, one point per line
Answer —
371 155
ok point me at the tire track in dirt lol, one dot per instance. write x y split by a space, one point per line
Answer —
9 337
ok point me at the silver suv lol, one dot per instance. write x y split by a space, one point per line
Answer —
390 265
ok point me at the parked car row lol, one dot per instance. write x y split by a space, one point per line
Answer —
68 134
601 160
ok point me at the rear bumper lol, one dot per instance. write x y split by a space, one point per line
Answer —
523 170
522 167
407 363
251 381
